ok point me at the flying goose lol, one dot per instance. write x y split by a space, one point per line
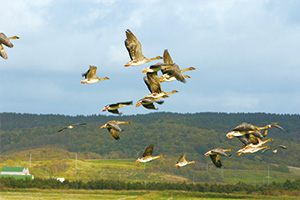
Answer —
91 77
114 128
274 150
153 84
134 49
148 102
71 126
247 128
147 155
113 108
215 155
174 72
252 148
5 41
183 162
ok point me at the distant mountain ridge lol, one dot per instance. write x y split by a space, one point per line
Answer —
172 134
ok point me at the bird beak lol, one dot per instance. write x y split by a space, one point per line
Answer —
176 165
229 135
104 109
144 71
103 126
137 161
138 104
207 154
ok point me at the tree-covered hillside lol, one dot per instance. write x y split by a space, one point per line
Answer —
172 134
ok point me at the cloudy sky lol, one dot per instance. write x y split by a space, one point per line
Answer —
246 53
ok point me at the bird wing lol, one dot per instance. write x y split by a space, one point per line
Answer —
245 127
147 83
277 126
167 58
182 158
216 160
62 129
116 111
125 103
253 139
92 73
5 40
114 133
154 82
148 150
220 152
114 125
176 72
133 46
149 106
243 139
3 52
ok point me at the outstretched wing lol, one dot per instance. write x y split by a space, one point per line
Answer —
245 127
148 150
182 158
92 72
3 52
167 58
216 160
153 82
133 46
62 129
114 133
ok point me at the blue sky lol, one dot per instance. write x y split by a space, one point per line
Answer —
246 53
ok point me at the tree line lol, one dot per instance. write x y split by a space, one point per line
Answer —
265 189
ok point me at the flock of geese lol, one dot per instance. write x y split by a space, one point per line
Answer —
250 135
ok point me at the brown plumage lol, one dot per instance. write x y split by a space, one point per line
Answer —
4 40
113 108
215 155
114 128
134 49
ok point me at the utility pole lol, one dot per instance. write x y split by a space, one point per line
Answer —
268 173
76 162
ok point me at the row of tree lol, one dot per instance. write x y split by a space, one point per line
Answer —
240 187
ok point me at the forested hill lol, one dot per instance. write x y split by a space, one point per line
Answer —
172 134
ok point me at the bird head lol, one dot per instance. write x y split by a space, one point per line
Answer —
230 134
207 153
138 103
105 108
104 126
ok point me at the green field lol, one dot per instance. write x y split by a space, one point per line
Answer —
111 194
128 170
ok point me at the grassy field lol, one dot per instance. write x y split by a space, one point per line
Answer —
128 170
122 195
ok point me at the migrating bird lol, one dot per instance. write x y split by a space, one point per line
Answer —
147 155
253 147
148 102
114 128
71 126
215 155
247 128
174 72
134 49
5 41
183 162
91 77
274 150
113 108
153 83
